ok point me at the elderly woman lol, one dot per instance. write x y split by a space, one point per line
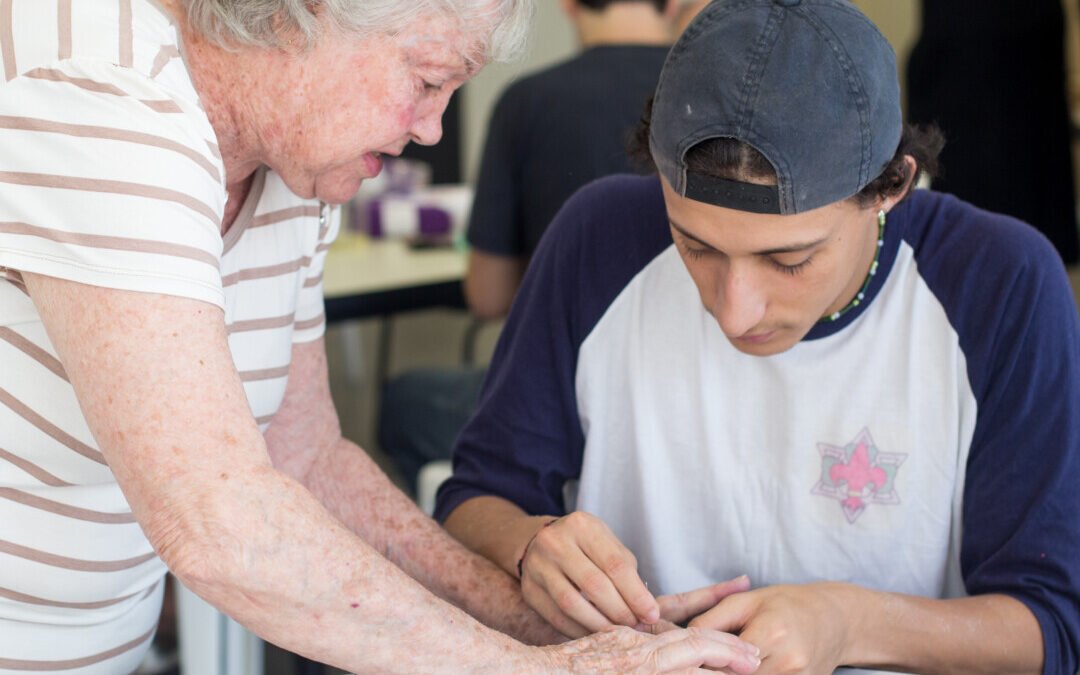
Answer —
163 390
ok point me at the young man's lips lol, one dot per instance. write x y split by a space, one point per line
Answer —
757 338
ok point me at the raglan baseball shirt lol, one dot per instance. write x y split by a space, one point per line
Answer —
927 442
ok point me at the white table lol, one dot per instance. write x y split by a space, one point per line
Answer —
357 265
377 277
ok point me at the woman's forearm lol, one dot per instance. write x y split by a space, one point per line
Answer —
349 483
263 550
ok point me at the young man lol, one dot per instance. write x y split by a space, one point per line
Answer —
773 359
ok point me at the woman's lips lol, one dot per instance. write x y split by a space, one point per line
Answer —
372 164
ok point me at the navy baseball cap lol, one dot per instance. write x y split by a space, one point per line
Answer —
810 84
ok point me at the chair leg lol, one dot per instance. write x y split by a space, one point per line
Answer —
468 342
382 363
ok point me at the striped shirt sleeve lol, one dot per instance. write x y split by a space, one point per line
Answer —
107 179
310 312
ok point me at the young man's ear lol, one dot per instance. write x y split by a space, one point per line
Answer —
888 203
671 8
570 8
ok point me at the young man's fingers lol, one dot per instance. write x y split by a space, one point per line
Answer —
569 600
661 626
730 615
560 555
545 606
605 593
759 636
618 564
681 607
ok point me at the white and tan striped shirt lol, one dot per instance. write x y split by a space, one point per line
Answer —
110 175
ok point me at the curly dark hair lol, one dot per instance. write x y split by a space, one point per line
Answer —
735 160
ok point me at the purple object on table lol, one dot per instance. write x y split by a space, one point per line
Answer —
434 222
431 221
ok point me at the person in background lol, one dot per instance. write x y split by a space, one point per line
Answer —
555 131
991 74
164 401
550 133
687 11
774 358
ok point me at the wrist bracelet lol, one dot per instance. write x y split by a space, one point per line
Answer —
525 551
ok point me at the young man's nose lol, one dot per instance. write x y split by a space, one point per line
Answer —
739 305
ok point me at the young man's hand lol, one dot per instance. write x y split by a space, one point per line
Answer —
798 628
579 576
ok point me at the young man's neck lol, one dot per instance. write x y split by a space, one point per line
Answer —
623 23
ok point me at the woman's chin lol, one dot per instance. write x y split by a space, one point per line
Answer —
336 190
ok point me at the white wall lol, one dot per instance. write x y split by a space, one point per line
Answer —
552 39
899 23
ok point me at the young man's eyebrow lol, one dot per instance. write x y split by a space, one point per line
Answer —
679 228
790 248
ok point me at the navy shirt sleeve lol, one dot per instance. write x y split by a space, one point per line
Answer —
1005 291
525 439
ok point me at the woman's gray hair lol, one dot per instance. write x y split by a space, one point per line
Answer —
266 23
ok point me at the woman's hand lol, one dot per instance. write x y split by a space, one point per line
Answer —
622 650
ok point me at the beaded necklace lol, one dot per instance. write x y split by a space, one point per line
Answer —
870 275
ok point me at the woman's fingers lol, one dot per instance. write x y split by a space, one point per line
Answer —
622 650
706 648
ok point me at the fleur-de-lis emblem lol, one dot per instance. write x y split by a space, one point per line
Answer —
858 474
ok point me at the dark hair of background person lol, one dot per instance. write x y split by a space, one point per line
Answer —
598 5
735 160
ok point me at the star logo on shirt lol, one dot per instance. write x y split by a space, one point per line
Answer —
858 474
